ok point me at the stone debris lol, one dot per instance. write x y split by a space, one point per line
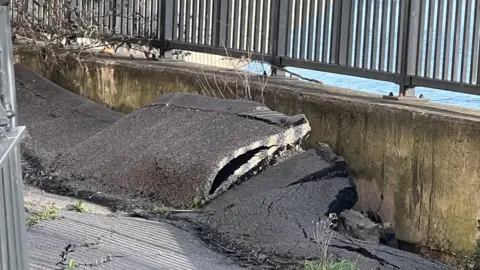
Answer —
356 225
293 209
387 235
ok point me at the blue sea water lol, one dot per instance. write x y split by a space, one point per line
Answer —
378 87
384 88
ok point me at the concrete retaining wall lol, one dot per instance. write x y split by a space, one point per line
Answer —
419 164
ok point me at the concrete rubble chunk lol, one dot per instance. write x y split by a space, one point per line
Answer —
285 211
361 226
355 224
181 149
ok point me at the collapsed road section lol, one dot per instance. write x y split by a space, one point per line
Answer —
181 149
184 149
286 212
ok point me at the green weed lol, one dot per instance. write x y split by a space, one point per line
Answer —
343 265
72 264
161 210
78 207
49 212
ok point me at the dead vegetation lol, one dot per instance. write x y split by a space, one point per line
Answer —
322 235
68 262
251 75
242 86
61 32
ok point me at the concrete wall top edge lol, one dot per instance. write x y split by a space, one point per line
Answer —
310 90
301 89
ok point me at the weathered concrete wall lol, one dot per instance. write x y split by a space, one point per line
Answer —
418 164
119 89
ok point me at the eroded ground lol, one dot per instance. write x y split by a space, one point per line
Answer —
275 219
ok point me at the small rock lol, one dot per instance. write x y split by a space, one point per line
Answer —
387 235
356 225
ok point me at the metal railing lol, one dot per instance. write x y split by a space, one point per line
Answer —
430 43
13 242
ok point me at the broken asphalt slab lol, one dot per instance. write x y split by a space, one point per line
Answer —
284 212
181 150
217 141
104 242
57 119
289 189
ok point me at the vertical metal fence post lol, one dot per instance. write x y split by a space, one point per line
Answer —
278 33
6 59
336 32
112 13
220 24
409 29
165 24
344 47
274 27
119 20
13 242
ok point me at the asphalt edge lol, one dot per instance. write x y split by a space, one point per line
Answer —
268 147
48 90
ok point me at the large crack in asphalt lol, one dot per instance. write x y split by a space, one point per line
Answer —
366 253
305 235
277 210
233 165
337 170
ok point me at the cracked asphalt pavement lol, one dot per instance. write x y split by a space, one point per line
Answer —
57 121
109 242
283 211
268 221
